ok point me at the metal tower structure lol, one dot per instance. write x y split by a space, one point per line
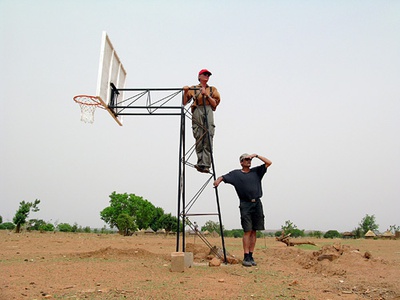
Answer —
168 102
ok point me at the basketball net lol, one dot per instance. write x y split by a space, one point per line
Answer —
88 106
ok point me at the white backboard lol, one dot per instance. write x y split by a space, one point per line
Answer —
111 70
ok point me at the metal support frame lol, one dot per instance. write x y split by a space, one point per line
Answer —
166 102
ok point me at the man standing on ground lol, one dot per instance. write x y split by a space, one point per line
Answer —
205 101
247 183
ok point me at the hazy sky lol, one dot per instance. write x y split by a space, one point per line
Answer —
312 85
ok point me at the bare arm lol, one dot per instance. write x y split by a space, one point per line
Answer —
212 101
214 98
218 181
265 160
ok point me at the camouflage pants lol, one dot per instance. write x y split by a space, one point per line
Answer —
203 141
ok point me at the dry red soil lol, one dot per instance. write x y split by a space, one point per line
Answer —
58 265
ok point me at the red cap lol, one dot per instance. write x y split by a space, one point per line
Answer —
204 71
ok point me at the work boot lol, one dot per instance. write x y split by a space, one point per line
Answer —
202 169
246 261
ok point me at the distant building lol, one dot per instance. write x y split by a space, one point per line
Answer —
387 235
370 234
348 235
149 231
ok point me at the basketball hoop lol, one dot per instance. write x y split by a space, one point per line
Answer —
88 106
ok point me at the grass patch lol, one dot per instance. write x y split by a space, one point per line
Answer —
308 247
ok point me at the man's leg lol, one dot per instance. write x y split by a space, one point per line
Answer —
248 239
208 138
258 224
247 242
199 133
253 239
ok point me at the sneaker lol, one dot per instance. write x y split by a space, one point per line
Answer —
247 263
253 263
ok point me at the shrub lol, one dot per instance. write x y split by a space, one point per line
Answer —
296 233
259 234
7 226
46 227
35 224
64 227
330 234
317 234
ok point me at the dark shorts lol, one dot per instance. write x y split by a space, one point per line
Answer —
252 216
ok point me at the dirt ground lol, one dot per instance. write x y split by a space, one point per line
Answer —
58 265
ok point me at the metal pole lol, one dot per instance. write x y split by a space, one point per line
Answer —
183 122
180 175
216 191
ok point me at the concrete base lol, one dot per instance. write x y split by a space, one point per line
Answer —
181 260
188 259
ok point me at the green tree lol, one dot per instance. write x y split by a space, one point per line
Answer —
7 226
330 234
236 233
288 227
368 223
1 219
317 234
211 226
126 224
168 222
46 227
155 222
297 233
119 203
64 227
260 234
23 212
34 224
87 229
143 211
291 228
357 232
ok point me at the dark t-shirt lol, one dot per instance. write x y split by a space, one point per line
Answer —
247 185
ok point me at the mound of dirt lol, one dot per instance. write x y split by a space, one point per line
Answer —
202 253
110 252
331 260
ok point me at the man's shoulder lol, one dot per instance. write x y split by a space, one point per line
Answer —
263 166
260 168
233 172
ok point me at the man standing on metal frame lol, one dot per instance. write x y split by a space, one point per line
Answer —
247 183
205 101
